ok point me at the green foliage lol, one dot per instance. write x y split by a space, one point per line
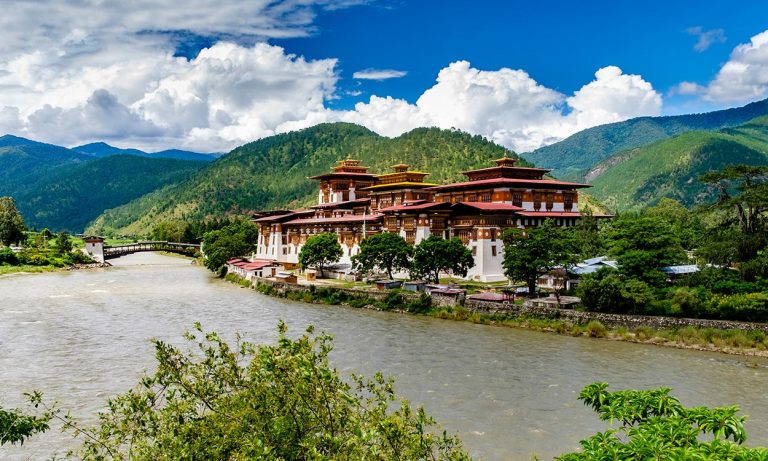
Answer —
63 243
8 257
16 426
608 291
233 240
244 179
643 245
319 251
434 255
655 425
387 251
12 225
531 252
269 402
582 151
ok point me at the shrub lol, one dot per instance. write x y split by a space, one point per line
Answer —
644 333
8 257
595 329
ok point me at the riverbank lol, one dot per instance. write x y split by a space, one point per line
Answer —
734 341
30 269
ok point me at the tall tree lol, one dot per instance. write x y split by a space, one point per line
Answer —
643 245
744 189
535 251
319 251
236 239
12 225
387 251
435 255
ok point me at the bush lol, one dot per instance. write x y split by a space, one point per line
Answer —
242 401
595 329
8 257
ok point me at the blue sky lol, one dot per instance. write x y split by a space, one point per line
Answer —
559 43
211 75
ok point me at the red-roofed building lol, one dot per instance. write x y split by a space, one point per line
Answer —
354 204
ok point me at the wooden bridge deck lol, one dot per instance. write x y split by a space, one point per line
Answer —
116 251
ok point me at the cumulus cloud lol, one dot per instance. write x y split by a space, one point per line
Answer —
687 88
93 72
378 74
706 37
745 76
510 107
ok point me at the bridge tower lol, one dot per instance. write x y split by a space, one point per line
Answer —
94 246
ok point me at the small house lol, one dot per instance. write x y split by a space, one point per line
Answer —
388 284
286 277
415 285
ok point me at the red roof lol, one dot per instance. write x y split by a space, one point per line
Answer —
416 207
490 296
550 214
256 265
490 206
345 219
342 174
234 260
526 168
508 182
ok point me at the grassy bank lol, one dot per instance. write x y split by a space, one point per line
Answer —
729 341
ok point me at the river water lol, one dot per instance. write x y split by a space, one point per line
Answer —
82 336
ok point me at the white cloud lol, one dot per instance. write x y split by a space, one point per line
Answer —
93 72
687 88
509 107
378 74
744 77
706 37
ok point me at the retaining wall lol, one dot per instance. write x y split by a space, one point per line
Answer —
609 320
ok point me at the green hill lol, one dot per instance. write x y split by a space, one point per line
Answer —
573 156
23 161
670 168
72 196
272 172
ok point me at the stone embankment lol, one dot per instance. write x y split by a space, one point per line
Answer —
630 322
75 267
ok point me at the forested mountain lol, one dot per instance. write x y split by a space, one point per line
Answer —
572 157
65 189
74 195
671 168
102 149
272 172
23 161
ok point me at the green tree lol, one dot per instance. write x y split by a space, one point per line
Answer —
434 255
655 426
531 252
319 251
63 243
173 231
386 251
16 426
643 245
269 402
236 239
12 225
683 223
744 190
608 291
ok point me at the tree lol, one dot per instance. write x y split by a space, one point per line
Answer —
12 225
233 240
531 252
269 402
435 255
607 291
654 425
643 245
319 251
744 189
63 243
386 251
15 426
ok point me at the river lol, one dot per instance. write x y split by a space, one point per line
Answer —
82 336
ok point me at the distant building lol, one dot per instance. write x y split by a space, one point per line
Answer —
354 203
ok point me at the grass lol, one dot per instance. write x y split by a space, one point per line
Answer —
26 268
